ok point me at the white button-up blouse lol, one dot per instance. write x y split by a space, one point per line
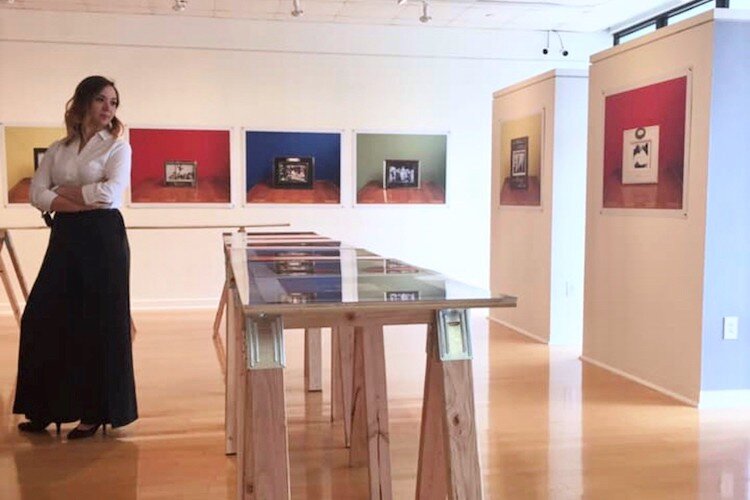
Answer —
102 169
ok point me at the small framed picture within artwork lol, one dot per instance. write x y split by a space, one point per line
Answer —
519 163
293 172
640 155
298 297
180 173
407 296
401 174
38 156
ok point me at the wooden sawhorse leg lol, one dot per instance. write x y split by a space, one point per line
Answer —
448 452
5 277
342 371
370 439
313 360
263 450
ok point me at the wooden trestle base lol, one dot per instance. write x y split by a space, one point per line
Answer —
256 417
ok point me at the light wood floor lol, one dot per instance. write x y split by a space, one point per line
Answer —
548 428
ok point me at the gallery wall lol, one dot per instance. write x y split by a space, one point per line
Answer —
726 291
177 72
536 248
644 267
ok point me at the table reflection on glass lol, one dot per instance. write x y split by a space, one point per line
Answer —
307 281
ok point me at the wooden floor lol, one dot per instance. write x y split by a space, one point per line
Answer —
548 427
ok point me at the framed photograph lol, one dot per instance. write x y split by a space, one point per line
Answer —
38 156
519 160
180 173
646 145
294 267
293 172
400 174
405 296
519 163
298 297
640 155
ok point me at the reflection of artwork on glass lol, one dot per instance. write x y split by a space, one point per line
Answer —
519 163
293 172
180 173
298 297
400 174
402 296
38 157
645 144
398 267
640 155
294 267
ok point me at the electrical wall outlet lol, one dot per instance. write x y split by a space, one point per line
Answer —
731 327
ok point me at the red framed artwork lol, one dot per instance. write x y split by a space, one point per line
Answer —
645 144
180 166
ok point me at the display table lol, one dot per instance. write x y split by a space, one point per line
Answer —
276 285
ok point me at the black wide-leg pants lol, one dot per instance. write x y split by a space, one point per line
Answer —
75 359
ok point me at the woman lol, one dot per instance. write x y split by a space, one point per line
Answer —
75 361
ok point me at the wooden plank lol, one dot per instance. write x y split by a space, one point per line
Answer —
459 427
16 265
358 442
296 319
265 457
376 397
431 469
313 360
234 369
337 409
8 287
220 310
346 376
370 434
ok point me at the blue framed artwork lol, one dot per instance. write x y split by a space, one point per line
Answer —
292 167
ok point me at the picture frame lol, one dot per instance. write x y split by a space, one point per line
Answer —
401 174
178 173
519 163
294 267
38 157
401 296
640 155
293 172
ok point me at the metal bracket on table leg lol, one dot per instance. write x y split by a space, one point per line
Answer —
264 337
454 337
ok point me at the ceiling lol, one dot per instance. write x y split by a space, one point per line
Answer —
561 15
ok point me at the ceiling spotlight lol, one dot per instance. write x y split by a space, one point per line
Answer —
180 5
297 8
402 2
425 17
563 50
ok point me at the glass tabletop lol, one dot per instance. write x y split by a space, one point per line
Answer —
325 277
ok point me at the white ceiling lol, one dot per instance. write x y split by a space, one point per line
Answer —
562 15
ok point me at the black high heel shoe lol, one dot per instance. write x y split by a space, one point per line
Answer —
36 427
81 434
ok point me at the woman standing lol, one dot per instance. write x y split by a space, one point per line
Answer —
75 360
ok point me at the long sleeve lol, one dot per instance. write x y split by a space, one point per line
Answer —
116 177
41 193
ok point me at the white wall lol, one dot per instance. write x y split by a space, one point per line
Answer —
644 271
536 253
196 72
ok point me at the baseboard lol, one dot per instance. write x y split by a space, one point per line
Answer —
172 304
725 399
519 330
641 381
148 305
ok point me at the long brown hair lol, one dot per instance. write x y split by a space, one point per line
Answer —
79 104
